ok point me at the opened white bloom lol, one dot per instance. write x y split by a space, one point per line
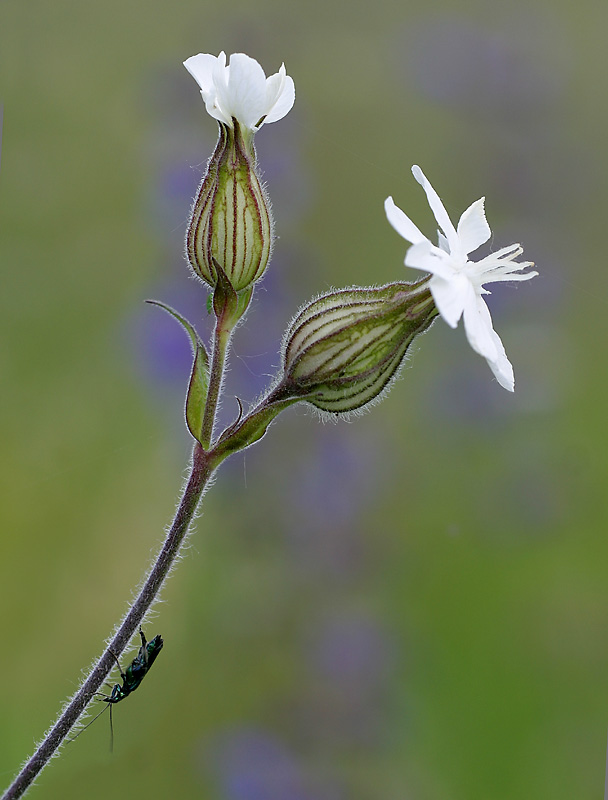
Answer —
457 284
241 89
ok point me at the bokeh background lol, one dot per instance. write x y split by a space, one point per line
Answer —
409 606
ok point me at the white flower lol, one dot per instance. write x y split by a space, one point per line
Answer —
457 284
241 89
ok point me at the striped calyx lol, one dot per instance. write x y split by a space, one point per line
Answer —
343 349
231 223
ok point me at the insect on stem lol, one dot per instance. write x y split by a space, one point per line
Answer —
131 678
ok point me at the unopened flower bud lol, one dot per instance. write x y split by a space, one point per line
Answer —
231 223
343 349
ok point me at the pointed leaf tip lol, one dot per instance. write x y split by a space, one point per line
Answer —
199 377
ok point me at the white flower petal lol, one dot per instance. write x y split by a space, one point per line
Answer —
501 275
201 69
502 367
274 86
429 258
241 90
457 283
215 102
509 253
451 297
402 223
443 242
485 341
438 209
281 101
245 96
478 326
205 68
473 229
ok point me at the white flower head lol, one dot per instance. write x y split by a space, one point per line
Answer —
457 284
241 90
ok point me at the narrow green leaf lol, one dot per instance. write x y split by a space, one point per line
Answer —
197 393
199 378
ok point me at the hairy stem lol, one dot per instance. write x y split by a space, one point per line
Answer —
221 340
203 465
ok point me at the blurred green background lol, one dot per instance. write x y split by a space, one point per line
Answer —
412 606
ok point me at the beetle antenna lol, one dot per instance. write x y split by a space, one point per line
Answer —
111 731
82 730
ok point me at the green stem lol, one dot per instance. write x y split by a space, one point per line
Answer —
221 340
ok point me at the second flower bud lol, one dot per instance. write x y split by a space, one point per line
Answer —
343 349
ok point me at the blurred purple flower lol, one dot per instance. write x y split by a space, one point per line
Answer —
353 650
336 479
345 701
330 484
251 764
